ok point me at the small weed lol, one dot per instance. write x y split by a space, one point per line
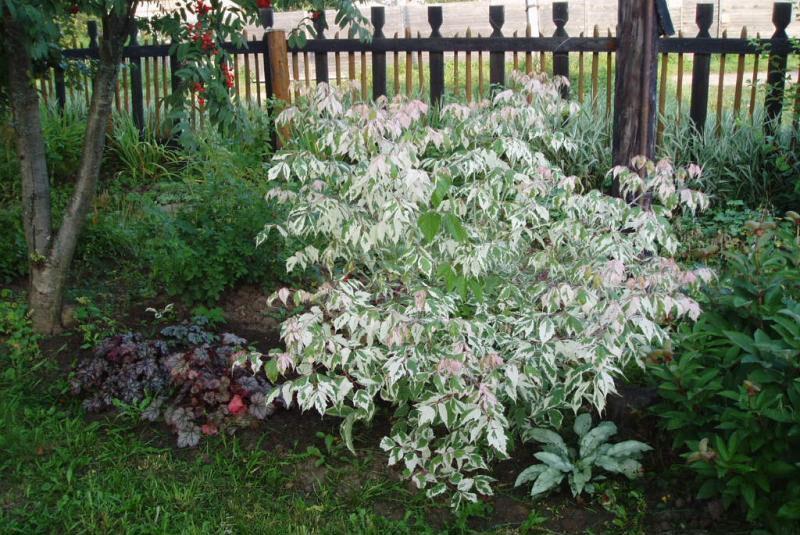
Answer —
92 322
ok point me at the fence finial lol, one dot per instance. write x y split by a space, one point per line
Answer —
560 18
266 17
781 18
435 20
378 18
436 58
91 29
561 59
497 17
701 70
704 19
776 77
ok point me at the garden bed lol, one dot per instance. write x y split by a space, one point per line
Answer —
316 471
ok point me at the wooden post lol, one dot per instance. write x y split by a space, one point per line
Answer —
497 59
776 77
468 70
279 74
137 104
378 17
561 59
320 58
436 58
701 70
737 96
61 87
396 57
267 19
91 29
175 80
635 92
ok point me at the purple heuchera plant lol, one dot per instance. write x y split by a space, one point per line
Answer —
200 383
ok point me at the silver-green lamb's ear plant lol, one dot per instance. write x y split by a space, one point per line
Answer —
469 283
578 465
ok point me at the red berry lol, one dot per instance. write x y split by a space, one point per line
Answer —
74 9
264 4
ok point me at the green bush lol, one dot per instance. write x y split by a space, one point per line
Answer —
208 244
732 395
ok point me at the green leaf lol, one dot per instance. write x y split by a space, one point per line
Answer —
454 226
597 436
271 369
529 474
790 510
430 223
436 490
546 481
741 340
749 495
628 448
554 461
545 436
583 422
442 187
346 429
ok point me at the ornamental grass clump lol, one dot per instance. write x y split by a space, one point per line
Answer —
468 282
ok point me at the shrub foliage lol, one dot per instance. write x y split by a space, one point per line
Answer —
732 392
470 284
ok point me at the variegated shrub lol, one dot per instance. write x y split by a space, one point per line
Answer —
469 283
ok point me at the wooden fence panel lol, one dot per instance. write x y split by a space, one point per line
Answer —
146 80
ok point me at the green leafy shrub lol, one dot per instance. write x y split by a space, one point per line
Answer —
207 243
722 229
732 390
468 281
577 465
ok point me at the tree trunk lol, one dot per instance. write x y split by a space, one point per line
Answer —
51 256
36 211
635 88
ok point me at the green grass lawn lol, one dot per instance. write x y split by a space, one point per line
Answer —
64 472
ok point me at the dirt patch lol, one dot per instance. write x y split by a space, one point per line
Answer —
246 307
